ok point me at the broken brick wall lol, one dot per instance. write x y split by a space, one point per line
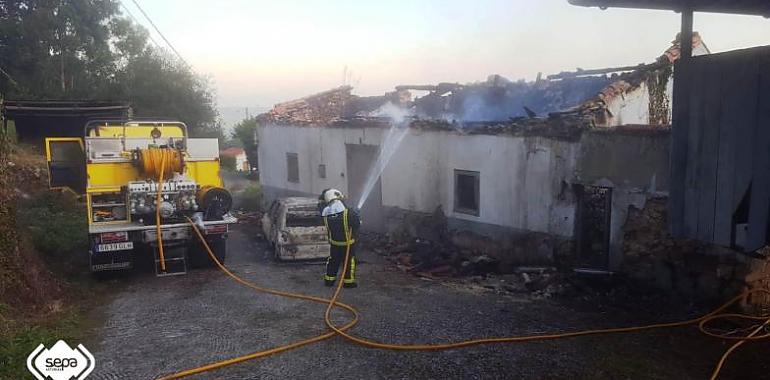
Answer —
632 161
688 268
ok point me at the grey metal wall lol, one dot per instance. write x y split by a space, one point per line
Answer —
720 155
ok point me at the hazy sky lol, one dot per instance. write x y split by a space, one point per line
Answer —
263 52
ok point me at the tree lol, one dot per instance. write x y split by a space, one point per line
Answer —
85 49
160 86
246 132
55 49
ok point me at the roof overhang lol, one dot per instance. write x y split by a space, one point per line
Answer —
745 7
22 108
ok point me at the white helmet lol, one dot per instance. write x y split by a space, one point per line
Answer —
332 194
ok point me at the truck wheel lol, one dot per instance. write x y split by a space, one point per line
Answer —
219 247
199 257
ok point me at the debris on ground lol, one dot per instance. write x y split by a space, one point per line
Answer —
251 218
443 261
248 217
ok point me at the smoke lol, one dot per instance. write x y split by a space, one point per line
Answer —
397 115
499 99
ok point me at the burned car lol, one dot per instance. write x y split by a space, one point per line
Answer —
295 229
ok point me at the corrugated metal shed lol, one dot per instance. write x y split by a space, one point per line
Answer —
36 119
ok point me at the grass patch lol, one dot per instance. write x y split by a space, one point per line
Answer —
17 344
11 132
21 331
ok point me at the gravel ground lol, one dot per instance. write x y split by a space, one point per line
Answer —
156 326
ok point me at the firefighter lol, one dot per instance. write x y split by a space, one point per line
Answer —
342 225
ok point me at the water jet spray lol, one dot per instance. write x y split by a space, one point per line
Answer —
399 127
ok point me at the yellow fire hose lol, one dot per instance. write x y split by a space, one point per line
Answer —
158 161
701 322
159 239
260 289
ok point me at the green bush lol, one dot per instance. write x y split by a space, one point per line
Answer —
56 223
250 198
11 134
227 162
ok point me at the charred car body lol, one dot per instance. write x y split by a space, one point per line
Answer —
295 229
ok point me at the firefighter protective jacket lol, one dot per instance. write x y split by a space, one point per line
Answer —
338 218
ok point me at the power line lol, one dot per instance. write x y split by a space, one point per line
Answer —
125 8
10 78
161 34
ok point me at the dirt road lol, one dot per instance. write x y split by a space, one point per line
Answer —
156 326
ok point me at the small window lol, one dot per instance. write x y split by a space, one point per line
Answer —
292 167
321 171
467 192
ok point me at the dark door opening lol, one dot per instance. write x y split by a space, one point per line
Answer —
593 218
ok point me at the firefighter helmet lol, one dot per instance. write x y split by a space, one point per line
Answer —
332 194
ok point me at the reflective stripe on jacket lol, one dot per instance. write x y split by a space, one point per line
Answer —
338 228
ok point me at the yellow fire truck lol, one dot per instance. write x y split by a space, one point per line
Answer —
143 179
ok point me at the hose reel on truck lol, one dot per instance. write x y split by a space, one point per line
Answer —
180 195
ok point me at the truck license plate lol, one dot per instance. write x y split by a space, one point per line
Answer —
115 246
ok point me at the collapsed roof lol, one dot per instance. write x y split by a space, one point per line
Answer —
581 93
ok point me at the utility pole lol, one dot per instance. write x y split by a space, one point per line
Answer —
680 123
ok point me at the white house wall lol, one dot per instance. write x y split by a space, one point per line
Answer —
520 177
632 107
413 178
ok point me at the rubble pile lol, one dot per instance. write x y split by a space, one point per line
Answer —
444 261
251 218
688 268
537 282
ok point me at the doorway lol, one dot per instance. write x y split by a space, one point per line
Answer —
594 211
360 159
